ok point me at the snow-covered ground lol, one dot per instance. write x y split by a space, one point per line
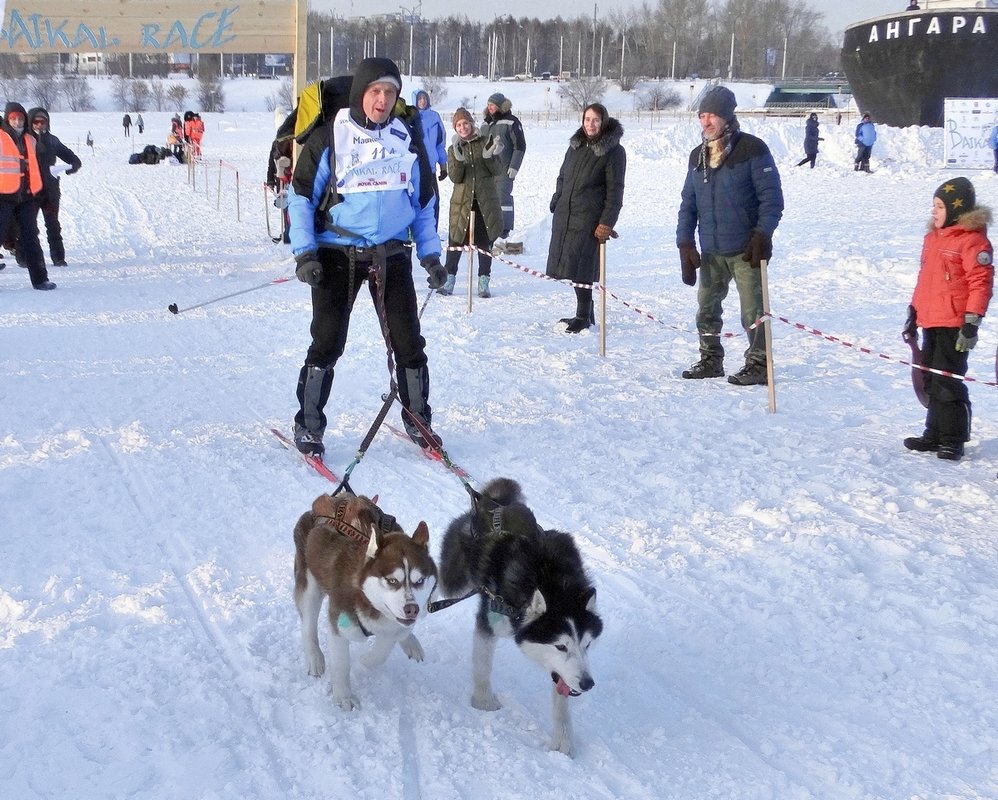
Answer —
796 608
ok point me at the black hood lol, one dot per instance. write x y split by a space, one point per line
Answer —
35 113
10 108
368 71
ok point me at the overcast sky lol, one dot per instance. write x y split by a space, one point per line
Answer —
838 13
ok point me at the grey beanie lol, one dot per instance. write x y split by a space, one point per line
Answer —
719 100
498 99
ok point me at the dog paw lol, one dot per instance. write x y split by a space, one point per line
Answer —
347 702
485 702
316 664
562 743
411 647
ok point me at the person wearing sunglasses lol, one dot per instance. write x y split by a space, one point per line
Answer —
51 149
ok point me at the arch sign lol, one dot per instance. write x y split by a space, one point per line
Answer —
149 26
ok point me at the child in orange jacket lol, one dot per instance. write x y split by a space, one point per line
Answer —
950 299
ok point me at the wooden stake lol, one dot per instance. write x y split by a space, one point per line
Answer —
768 331
602 299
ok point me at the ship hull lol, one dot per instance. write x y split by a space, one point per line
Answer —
900 67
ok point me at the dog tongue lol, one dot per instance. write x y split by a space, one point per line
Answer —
562 688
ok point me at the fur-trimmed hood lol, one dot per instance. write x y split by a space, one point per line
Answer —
977 219
609 137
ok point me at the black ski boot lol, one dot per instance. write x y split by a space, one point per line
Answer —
414 394
313 388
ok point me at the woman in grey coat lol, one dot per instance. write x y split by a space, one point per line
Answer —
586 204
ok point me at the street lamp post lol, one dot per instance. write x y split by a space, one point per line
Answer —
414 15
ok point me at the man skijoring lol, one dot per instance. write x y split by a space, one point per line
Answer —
361 188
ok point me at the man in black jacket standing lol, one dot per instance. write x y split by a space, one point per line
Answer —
49 149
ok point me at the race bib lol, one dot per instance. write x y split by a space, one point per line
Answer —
371 161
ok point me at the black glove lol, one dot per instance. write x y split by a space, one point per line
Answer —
309 269
966 339
72 170
689 261
758 249
443 174
910 330
437 272
459 151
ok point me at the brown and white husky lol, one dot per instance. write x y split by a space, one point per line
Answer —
377 578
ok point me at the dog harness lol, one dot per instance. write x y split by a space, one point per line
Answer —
386 522
496 603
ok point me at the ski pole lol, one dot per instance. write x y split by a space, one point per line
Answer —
472 255
173 309
266 210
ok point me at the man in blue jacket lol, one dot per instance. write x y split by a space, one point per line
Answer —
361 188
434 136
734 197
866 135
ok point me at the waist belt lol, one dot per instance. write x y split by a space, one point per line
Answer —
367 255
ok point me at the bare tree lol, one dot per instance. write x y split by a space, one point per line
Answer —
580 92
157 93
211 96
78 94
657 96
44 90
282 98
436 88
140 95
177 94
120 92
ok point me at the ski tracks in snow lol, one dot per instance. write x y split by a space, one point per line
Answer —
178 556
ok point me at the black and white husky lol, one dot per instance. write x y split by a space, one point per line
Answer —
533 587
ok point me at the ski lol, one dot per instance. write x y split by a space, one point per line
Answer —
314 462
429 452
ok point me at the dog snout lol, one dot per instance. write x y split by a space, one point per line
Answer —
586 683
411 611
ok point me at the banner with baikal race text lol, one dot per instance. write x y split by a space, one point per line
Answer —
967 123
148 26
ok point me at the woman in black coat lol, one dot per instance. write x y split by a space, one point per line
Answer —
811 140
586 204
